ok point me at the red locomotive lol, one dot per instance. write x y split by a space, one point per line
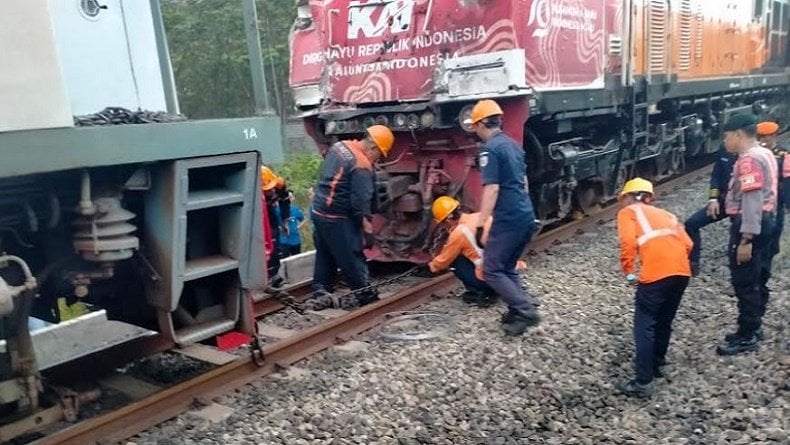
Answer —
597 90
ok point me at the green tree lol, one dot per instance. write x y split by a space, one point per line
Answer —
208 51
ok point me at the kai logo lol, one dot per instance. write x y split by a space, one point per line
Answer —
539 16
373 17
581 16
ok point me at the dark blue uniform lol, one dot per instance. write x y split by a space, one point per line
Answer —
719 183
502 163
343 197
783 197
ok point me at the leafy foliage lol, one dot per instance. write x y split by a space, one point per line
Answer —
208 52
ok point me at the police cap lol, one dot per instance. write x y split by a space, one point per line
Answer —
740 122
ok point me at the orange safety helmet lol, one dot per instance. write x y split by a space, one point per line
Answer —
767 128
268 178
483 109
443 207
382 137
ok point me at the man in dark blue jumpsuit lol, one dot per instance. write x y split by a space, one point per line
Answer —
342 211
767 133
714 210
505 197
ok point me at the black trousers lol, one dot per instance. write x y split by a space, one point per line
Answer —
750 279
291 249
464 270
338 244
655 308
696 222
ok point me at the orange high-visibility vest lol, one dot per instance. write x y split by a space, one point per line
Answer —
656 239
461 242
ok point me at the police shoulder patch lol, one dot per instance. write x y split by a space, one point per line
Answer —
483 158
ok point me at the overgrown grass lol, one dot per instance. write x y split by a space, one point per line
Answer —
300 170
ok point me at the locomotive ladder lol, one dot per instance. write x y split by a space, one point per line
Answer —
636 135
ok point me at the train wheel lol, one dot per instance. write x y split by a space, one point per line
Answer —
589 198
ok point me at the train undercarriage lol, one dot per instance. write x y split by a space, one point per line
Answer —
577 160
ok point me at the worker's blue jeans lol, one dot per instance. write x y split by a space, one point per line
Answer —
338 244
504 247
696 222
655 308
464 270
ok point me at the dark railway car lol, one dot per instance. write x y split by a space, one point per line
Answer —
597 90
118 224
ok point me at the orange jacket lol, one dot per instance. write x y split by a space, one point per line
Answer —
655 237
461 242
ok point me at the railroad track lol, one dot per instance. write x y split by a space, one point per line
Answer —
169 402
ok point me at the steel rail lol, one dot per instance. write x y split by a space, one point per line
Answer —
163 405
170 402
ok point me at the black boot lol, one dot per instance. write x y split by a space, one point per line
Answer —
479 298
738 345
519 320
367 298
635 389
758 333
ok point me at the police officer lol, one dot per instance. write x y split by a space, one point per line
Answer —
505 197
767 133
751 205
655 237
714 210
342 211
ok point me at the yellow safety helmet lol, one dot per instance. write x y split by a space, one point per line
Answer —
443 207
382 137
637 185
483 109
268 178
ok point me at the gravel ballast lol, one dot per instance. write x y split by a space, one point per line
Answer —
554 385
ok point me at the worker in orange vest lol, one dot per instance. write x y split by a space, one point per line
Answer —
278 205
342 213
461 253
658 241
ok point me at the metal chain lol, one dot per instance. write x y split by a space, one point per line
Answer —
122 116
346 300
288 301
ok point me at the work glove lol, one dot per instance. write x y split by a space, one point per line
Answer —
479 237
423 271
631 278
368 240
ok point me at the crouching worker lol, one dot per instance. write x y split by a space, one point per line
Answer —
660 244
461 253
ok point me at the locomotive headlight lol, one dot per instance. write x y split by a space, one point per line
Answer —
414 121
426 120
330 127
368 122
352 125
466 113
341 126
382 119
399 121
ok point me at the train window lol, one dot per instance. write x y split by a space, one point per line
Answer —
784 23
776 13
758 8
